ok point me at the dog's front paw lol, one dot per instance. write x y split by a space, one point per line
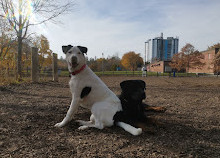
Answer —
83 127
59 125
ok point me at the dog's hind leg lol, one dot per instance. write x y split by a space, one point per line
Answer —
87 124
92 121
102 116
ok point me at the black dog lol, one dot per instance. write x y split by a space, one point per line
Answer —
132 95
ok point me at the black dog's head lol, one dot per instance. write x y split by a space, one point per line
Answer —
133 90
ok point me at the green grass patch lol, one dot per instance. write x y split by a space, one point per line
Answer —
119 73
134 73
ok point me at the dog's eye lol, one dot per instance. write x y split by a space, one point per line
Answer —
79 53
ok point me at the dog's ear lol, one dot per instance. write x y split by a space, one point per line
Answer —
83 49
124 84
66 48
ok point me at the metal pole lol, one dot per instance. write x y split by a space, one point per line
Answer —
148 52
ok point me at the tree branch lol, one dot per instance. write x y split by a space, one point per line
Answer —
53 12
26 29
6 6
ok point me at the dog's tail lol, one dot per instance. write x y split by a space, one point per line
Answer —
129 128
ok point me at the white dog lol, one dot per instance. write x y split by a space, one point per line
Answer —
90 92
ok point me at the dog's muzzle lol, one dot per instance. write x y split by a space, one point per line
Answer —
73 62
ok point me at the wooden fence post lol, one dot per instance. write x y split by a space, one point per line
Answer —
55 68
34 65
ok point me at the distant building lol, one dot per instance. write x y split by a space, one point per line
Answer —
209 56
160 66
208 67
163 49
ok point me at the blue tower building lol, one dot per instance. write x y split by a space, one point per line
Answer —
164 49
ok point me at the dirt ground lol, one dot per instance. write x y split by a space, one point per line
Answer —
189 128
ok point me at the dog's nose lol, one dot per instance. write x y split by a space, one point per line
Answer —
74 60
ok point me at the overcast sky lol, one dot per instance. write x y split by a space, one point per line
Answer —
115 27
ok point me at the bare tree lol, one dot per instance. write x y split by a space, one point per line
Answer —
21 14
7 37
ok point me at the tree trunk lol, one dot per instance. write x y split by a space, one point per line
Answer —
19 35
19 58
